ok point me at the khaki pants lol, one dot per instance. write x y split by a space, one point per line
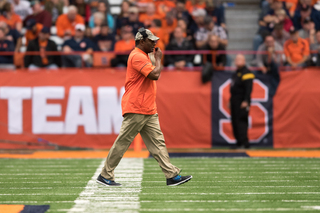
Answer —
149 128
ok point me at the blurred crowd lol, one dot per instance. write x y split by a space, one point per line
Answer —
89 26
291 27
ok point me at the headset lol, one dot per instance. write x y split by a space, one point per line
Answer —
143 32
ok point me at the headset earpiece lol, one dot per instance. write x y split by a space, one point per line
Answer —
143 32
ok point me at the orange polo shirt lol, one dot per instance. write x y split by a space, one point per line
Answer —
140 91
296 51
63 24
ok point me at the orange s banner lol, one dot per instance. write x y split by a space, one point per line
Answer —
259 131
257 115
82 109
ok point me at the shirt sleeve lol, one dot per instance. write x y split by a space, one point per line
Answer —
142 64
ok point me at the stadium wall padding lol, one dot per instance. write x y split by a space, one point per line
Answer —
297 110
81 109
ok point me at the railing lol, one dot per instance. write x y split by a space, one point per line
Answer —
204 53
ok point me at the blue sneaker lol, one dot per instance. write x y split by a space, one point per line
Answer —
177 180
101 180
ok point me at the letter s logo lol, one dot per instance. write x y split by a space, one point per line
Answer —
258 115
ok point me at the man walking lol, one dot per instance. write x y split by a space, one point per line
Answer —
241 88
140 112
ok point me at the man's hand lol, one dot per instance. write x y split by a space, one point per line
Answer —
155 73
158 53
244 104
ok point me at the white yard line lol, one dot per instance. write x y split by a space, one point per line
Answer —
96 198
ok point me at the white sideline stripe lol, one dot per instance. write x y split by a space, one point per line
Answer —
96 198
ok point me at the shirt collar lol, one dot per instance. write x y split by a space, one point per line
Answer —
140 50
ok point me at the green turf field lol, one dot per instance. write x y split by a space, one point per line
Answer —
218 185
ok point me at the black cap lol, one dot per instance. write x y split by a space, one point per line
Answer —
30 23
45 30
